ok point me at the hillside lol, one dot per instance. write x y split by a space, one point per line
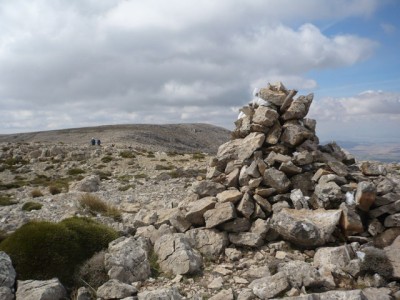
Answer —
169 137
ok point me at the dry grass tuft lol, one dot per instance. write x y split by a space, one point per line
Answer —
95 205
36 193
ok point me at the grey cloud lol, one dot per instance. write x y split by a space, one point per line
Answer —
189 61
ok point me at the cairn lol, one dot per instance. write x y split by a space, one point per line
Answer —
273 169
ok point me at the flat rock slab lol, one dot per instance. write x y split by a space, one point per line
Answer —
307 228
222 212
40 290
114 289
270 286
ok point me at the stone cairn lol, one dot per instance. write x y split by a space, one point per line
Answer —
274 179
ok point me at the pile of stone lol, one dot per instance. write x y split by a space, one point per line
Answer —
274 170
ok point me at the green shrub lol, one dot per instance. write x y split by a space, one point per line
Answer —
103 175
3 235
36 193
127 154
6 200
54 189
126 187
141 176
162 167
106 159
75 171
198 156
154 266
125 178
44 250
28 206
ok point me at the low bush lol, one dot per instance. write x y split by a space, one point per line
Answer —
104 175
127 154
106 159
28 206
198 156
54 189
75 171
126 187
44 250
6 200
162 167
92 272
95 205
36 193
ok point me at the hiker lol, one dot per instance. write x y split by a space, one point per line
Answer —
93 141
98 142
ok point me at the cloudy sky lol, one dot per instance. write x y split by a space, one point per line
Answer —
73 63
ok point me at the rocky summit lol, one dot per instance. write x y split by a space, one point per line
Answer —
273 215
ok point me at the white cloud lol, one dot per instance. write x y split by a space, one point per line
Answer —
371 115
99 61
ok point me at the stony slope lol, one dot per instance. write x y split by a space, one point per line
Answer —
168 137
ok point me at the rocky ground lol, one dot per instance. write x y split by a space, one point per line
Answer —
271 215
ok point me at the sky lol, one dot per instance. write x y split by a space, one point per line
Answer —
76 63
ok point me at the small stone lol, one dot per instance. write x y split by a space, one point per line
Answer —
216 283
280 255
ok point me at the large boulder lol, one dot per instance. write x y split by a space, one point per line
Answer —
176 255
40 290
6 293
306 228
210 242
127 259
88 184
7 271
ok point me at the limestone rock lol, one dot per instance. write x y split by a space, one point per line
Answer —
365 195
40 290
176 255
7 271
332 257
223 295
329 195
307 228
5 293
393 255
265 116
206 188
113 289
89 184
274 134
277 180
392 220
229 196
239 149
299 108
222 212
197 209
300 273
236 225
246 206
270 286
293 135
211 243
373 169
127 259
171 293
247 239
276 97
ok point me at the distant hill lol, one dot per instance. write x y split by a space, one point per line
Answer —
385 152
170 137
